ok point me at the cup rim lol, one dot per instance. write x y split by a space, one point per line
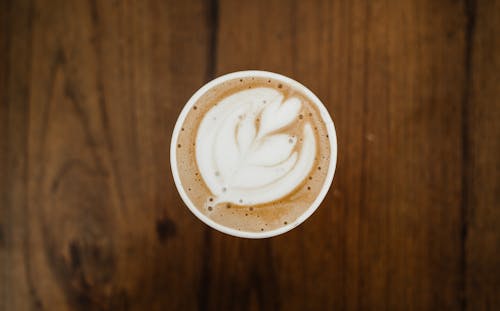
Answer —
329 176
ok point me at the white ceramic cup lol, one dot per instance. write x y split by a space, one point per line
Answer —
331 168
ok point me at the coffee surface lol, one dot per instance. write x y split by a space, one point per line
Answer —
253 153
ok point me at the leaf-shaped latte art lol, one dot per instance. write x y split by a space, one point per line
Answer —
244 160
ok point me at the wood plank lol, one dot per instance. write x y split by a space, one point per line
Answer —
16 291
483 149
94 219
424 244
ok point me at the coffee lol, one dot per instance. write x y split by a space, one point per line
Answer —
253 153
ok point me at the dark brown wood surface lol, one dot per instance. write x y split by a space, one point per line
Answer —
89 216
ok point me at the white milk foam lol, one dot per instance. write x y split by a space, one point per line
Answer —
243 150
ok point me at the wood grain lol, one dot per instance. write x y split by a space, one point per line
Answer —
90 218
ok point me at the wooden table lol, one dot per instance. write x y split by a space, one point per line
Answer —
90 218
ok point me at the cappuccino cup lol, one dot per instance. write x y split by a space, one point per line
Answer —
253 153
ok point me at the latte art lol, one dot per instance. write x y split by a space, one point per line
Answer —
252 153
244 152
